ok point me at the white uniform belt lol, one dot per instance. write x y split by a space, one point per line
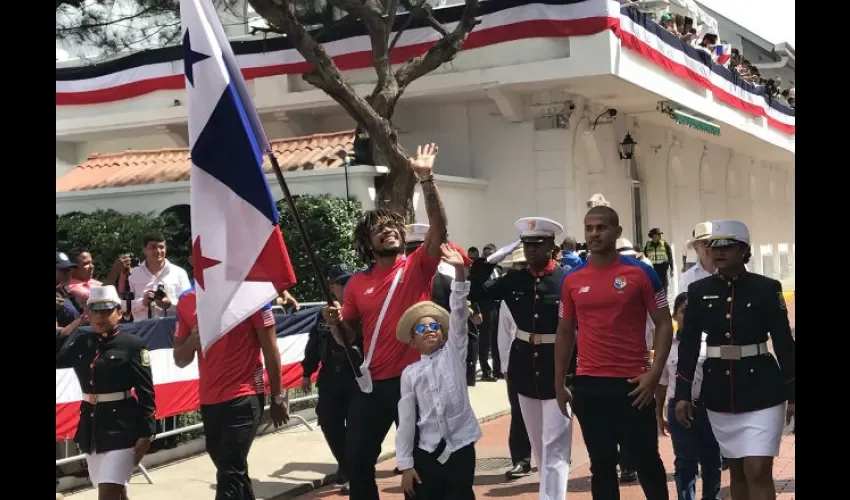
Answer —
535 338
733 352
107 397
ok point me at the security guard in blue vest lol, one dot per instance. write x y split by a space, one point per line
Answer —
115 428
336 378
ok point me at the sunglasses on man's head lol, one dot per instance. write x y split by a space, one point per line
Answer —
421 329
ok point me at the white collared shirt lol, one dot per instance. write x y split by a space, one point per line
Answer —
436 384
172 277
695 273
668 378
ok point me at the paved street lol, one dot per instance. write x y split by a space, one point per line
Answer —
492 462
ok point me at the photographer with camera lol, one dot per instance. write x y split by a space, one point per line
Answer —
156 283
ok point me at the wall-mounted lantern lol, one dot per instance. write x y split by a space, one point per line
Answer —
627 147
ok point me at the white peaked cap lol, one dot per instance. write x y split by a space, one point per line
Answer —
538 227
103 297
733 230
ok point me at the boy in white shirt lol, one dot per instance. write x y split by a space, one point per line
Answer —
439 464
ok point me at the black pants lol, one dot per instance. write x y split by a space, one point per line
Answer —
229 429
625 459
332 413
370 417
606 415
450 481
663 271
518 441
488 341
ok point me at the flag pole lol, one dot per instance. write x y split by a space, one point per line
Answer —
308 247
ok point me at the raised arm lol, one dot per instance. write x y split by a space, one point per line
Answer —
423 165
459 320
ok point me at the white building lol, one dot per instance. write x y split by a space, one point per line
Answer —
521 117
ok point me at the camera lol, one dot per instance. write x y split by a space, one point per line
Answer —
159 294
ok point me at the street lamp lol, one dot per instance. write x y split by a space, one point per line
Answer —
627 147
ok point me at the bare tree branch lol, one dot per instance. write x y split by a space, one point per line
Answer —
327 76
443 51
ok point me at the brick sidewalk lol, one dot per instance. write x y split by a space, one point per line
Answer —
492 463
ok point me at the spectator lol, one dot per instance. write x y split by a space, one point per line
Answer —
156 283
68 309
82 276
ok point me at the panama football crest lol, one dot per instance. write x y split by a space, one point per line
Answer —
620 283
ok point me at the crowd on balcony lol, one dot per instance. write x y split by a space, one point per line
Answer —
725 55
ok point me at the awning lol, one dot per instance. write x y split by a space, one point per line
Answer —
692 121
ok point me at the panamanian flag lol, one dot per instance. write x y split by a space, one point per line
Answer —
722 53
238 253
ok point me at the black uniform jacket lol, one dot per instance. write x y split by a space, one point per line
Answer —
336 372
742 311
483 270
533 302
115 363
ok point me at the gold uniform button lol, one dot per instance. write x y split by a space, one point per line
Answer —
536 374
536 354
536 315
728 315
536 296
749 304
728 335
752 371
727 372
538 280
728 299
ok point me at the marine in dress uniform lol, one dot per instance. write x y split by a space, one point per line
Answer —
336 378
518 442
115 428
744 389
533 296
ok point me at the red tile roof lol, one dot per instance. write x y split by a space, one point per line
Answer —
133 168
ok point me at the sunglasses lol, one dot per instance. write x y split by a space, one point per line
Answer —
430 327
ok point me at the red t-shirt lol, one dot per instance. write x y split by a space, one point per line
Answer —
364 297
233 366
610 304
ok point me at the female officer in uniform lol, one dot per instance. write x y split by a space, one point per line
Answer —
744 389
115 429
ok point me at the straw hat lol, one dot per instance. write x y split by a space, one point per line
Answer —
404 330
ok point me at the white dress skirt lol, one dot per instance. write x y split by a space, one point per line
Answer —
751 434
114 467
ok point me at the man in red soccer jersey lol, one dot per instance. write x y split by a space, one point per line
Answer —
379 239
609 296
231 390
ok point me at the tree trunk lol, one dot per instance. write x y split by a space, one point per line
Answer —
396 192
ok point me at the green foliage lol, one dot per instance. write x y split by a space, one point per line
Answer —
107 234
329 222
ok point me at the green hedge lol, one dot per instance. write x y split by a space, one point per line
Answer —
329 222
107 234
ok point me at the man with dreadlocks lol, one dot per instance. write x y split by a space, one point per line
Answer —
374 301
